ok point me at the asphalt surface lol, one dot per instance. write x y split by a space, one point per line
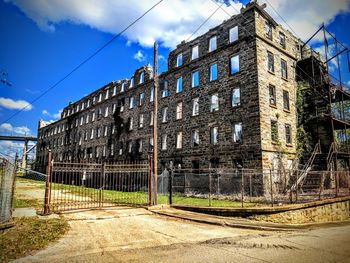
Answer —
137 235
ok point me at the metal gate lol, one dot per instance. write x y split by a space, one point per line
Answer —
73 186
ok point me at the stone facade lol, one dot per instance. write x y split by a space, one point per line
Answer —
243 125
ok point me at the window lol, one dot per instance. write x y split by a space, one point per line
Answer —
195 107
142 78
114 92
236 97
164 142
274 131
212 44
87 119
93 116
268 30
97 152
140 144
272 95
165 114
214 135
83 106
288 130
98 132
94 100
121 148
88 104
284 71
151 118
107 94
270 62
106 111
195 53
213 72
131 123
100 97
282 40
105 131
130 147
179 85
214 102
122 103
112 149
179 140
131 83
165 92
237 132
114 107
92 134
179 111
122 89
113 128
81 120
142 99
233 34
151 98
195 138
141 121
179 60
195 79
234 64
286 100
131 102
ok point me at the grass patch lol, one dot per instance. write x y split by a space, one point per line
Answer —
29 235
21 203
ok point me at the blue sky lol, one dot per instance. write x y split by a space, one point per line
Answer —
42 40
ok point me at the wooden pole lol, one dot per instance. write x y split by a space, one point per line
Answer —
47 186
155 122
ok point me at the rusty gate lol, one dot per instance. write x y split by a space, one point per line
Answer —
72 186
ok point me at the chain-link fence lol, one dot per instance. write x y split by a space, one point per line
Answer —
250 187
7 184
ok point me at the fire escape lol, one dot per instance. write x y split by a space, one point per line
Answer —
327 103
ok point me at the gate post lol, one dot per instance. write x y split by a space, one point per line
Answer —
102 184
47 186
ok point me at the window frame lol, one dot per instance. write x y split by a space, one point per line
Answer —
213 66
232 38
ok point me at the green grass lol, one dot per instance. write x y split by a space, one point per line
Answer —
21 203
28 235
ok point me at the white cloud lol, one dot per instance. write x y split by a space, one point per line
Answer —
305 17
170 22
55 115
20 130
15 104
140 56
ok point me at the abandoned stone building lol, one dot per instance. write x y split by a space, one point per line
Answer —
228 98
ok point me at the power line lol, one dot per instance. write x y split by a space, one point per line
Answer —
82 63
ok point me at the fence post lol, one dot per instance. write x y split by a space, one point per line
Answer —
242 187
14 181
271 188
150 181
102 181
209 185
47 185
171 183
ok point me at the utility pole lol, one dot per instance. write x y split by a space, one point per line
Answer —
155 122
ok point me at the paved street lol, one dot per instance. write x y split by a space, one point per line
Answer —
137 235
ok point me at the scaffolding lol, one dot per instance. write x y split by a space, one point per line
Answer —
326 98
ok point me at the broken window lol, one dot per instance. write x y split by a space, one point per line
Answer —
195 52
270 62
165 114
272 95
195 138
112 149
122 104
195 107
179 60
140 144
214 102
237 132
268 30
179 85
164 142
214 135
234 64
98 132
179 111
212 44
282 40
284 71
236 97
274 131
195 79
233 34
213 72
286 100
179 140
288 130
